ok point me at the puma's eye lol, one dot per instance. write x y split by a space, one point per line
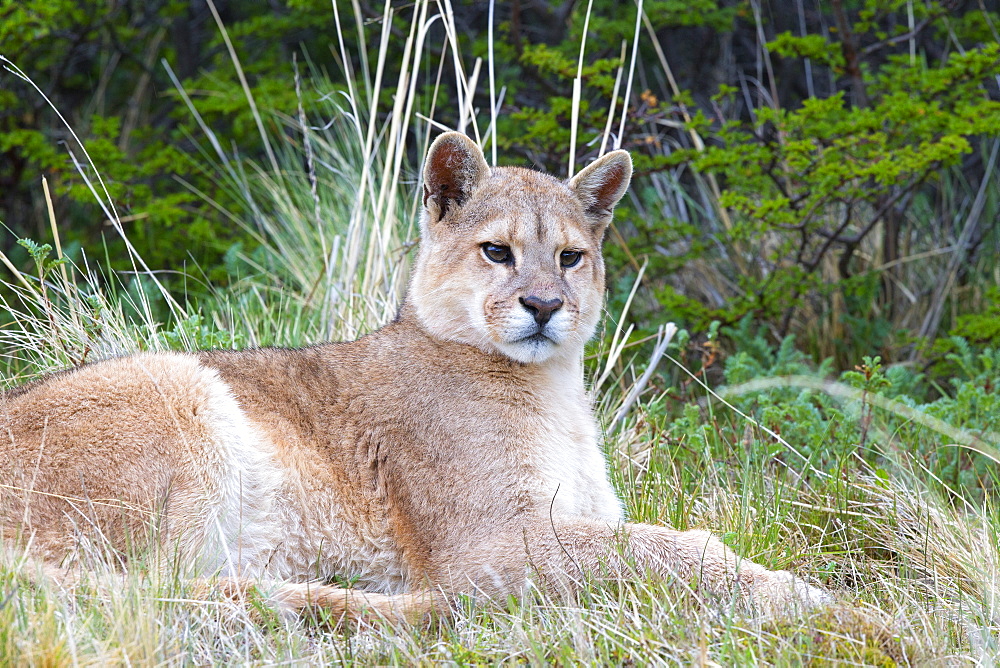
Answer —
497 253
569 258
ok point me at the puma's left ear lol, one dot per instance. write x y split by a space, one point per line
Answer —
602 183
454 167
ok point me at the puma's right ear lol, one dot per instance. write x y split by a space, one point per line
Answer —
602 183
454 167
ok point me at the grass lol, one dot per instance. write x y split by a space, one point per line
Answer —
917 580
849 494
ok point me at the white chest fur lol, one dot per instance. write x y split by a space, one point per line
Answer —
572 475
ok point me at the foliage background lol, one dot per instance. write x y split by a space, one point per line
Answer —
827 168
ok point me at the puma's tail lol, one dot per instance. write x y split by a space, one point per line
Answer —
352 606
338 606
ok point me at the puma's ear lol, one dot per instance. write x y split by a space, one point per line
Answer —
602 183
454 166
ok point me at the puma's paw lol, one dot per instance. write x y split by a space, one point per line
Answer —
780 593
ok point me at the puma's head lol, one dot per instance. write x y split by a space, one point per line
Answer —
510 259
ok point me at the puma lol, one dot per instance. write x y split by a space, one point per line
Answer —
454 450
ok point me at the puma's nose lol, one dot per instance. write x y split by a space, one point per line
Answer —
541 309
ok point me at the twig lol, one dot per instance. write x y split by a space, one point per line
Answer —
933 317
872 48
849 47
552 523
666 334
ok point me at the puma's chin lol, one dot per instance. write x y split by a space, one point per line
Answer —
531 349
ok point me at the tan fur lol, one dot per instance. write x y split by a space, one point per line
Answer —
454 450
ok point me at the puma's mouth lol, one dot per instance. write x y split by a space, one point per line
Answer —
531 348
531 343
537 337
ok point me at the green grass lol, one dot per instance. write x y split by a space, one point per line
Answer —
850 492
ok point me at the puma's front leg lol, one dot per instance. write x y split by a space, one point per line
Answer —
700 557
565 552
